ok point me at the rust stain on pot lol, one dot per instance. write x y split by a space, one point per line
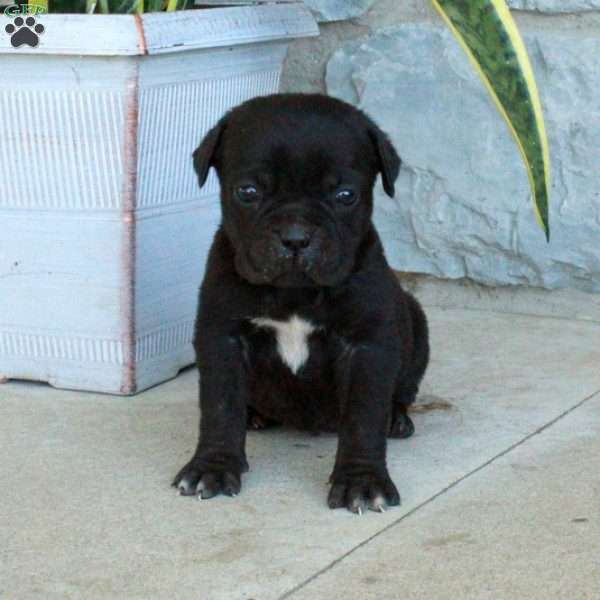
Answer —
128 197
139 25
128 246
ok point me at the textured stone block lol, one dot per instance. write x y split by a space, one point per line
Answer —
338 10
555 6
463 206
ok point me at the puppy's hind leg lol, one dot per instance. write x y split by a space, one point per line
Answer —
401 425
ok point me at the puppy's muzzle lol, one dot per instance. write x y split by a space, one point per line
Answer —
290 250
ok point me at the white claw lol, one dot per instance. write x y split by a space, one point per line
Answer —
183 487
199 496
378 503
359 510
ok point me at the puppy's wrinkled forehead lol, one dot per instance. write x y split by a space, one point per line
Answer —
309 134
297 142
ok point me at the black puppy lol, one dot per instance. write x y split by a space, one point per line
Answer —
301 320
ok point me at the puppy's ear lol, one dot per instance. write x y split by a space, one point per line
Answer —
206 153
388 159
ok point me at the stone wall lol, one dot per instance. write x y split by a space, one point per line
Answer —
463 207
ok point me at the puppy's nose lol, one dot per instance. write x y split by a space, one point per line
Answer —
295 237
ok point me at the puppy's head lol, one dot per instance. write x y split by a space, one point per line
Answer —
296 175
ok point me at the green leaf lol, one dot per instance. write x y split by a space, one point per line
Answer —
40 6
490 37
112 6
127 7
67 6
157 5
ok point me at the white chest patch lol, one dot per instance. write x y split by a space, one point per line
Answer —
292 339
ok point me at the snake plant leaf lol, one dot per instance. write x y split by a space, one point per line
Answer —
38 6
126 7
67 6
179 5
488 34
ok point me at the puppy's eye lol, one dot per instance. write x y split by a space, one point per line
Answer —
346 196
247 193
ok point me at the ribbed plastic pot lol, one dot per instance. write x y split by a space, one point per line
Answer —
103 230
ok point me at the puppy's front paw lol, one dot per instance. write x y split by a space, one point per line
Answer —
206 481
365 492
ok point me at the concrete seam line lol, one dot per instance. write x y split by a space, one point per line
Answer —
428 501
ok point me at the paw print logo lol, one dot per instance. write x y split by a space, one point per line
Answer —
24 31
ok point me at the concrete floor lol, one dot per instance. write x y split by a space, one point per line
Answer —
500 487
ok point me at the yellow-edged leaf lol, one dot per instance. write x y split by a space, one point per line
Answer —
490 37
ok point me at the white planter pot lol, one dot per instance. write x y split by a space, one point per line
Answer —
103 230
